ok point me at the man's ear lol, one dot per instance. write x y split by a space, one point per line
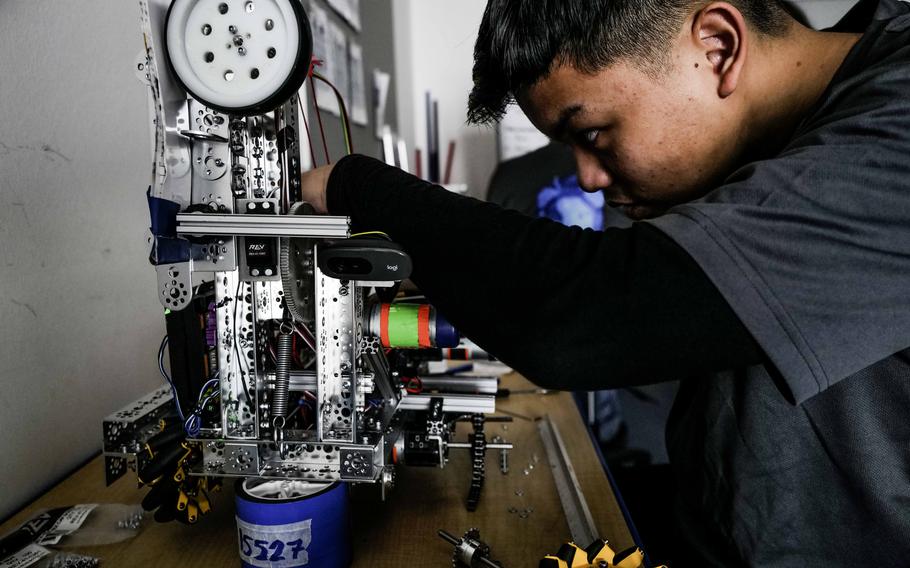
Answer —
719 32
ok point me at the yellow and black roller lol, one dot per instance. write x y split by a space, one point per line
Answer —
598 554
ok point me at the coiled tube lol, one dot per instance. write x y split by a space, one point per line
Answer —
279 403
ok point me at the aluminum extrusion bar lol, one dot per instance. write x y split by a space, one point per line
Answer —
312 226
300 380
467 385
578 515
469 404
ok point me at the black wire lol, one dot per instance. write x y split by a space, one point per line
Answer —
236 341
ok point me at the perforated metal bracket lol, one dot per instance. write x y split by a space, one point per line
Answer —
336 362
356 464
175 285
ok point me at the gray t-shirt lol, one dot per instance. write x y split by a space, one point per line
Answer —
805 461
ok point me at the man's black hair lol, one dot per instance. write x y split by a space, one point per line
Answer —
520 40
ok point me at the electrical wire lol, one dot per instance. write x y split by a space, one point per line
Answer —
236 337
307 338
167 377
193 424
368 233
412 385
345 120
325 145
306 126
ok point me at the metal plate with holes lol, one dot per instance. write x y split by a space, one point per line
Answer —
269 302
114 468
175 285
171 152
357 463
236 355
121 428
241 459
310 461
335 312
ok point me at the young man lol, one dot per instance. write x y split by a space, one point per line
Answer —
772 164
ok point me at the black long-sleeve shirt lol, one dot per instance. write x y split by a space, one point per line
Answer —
568 308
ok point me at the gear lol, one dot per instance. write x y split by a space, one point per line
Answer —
469 550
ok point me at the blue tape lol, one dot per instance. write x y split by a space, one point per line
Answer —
446 334
163 215
166 247
166 250
307 531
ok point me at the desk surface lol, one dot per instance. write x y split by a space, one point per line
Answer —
401 531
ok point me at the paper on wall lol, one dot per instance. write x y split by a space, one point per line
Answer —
349 10
341 76
358 88
381 81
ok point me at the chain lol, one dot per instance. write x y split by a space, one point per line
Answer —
478 453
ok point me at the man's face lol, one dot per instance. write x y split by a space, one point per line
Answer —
648 143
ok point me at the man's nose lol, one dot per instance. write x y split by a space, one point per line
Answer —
592 175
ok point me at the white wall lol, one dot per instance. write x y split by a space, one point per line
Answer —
81 322
824 13
434 50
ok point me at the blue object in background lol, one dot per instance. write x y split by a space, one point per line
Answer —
565 201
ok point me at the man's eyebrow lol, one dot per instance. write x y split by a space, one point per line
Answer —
563 123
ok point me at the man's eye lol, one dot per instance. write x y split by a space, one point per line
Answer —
590 136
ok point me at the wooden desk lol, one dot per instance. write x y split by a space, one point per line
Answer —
402 531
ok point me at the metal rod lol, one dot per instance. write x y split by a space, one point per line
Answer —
450 538
578 515
465 446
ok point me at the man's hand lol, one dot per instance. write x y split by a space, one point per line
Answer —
312 187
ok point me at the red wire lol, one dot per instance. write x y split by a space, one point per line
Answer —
325 145
413 385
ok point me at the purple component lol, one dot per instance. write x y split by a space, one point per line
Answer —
211 326
446 334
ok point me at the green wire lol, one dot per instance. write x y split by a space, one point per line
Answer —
365 233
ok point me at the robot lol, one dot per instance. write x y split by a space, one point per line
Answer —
289 356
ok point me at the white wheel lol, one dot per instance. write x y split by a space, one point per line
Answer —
239 56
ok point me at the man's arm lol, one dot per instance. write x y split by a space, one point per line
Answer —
568 308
